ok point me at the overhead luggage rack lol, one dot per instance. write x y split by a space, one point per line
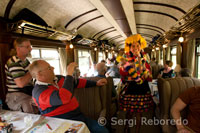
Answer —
27 28
187 24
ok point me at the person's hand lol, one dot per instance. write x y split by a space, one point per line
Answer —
183 130
101 82
70 68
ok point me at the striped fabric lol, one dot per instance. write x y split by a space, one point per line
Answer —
15 68
59 102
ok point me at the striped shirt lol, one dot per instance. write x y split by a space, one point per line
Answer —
58 100
16 68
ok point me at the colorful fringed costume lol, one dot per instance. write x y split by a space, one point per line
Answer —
135 95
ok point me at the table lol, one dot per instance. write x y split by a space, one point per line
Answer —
32 123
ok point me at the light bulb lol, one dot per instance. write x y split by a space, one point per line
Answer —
71 46
164 46
181 39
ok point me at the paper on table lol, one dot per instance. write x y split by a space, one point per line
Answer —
57 127
63 127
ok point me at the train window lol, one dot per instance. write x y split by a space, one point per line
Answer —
101 56
109 55
173 56
35 53
84 61
49 55
198 61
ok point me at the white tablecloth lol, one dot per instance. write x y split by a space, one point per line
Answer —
153 87
39 123
154 91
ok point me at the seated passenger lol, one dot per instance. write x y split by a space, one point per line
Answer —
166 72
101 70
191 98
113 71
19 80
185 72
54 94
153 62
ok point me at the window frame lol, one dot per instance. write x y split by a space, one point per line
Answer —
79 57
46 59
173 55
197 61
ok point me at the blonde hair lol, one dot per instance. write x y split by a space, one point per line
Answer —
137 38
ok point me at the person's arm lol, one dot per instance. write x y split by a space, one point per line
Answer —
178 106
83 83
24 80
160 73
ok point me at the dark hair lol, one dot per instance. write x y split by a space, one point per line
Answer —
185 72
103 61
169 63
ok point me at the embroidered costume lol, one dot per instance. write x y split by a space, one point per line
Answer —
135 95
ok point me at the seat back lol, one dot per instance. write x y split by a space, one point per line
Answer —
111 106
169 90
92 101
155 70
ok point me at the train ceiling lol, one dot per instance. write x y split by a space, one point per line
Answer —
108 20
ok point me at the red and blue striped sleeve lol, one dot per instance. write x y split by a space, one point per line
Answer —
51 97
83 83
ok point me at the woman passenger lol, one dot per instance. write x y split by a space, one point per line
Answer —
167 71
135 97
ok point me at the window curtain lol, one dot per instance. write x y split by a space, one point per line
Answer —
97 55
63 60
92 53
167 53
191 54
158 56
178 54
164 53
76 56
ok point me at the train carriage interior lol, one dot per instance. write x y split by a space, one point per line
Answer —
89 31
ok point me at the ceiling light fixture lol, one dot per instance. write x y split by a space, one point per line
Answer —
181 38
165 46
71 46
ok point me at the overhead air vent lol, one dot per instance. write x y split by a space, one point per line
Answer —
85 41
27 28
